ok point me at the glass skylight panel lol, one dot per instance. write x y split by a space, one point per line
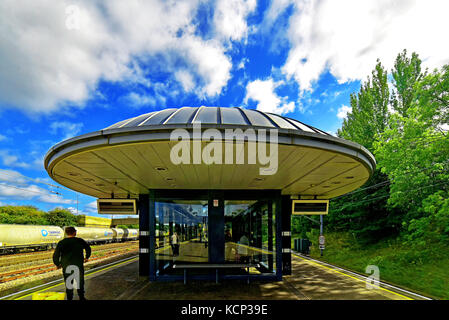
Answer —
301 126
182 115
257 119
135 122
282 123
232 116
160 117
207 115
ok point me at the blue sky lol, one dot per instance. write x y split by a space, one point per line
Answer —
72 67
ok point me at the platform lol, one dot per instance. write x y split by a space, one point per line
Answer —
309 281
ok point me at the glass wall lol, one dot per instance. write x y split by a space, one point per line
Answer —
181 234
249 234
215 228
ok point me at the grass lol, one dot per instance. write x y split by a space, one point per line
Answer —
424 271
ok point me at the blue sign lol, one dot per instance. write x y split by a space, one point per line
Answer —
44 232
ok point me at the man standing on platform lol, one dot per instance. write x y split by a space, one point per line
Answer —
175 244
70 256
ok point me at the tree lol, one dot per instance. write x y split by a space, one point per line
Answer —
414 152
22 215
61 217
406 74
369 115
367 220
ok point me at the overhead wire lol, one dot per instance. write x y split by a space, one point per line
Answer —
10 186
389 195
387 182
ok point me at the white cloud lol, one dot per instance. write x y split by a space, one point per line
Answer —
242 63
263 91
2 137
68 129
32 192
230 18
346 37
10 160
186 80
91 207
138 100
12 176
343 112
54 54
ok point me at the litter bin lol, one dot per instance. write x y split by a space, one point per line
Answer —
296 245
304 246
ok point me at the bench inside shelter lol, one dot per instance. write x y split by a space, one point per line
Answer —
214 266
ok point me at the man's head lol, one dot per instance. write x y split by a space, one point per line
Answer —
70 231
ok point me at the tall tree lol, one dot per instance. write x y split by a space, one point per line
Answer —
366 219
414 153
369 114
406 74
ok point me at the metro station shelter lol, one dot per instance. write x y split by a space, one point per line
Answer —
223 214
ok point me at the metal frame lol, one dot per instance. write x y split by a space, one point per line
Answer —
147 266
123 136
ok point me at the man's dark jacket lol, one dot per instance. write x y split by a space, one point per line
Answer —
69 251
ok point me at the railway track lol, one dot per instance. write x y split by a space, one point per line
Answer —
16 259
21 272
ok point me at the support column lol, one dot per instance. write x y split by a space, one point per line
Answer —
286 236
144 235
270 233
278 217
152 229
216 228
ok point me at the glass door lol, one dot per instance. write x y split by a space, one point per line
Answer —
182 228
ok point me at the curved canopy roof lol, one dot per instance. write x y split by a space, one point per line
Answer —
214 116
132 156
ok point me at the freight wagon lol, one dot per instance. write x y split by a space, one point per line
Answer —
14 237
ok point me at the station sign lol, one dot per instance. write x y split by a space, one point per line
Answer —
321 240
310 207
117 206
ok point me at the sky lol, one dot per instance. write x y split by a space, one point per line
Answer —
73 67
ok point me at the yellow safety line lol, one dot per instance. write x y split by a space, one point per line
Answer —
323 266
61 283
252 248
320 265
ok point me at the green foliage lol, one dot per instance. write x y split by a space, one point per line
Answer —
414 153
406 74
132 226
32 215
424 270
433 227
369 110
22 215
62 217
407 133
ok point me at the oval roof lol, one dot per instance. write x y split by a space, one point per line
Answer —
214 116
133 156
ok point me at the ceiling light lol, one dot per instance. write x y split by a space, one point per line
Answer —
73 174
